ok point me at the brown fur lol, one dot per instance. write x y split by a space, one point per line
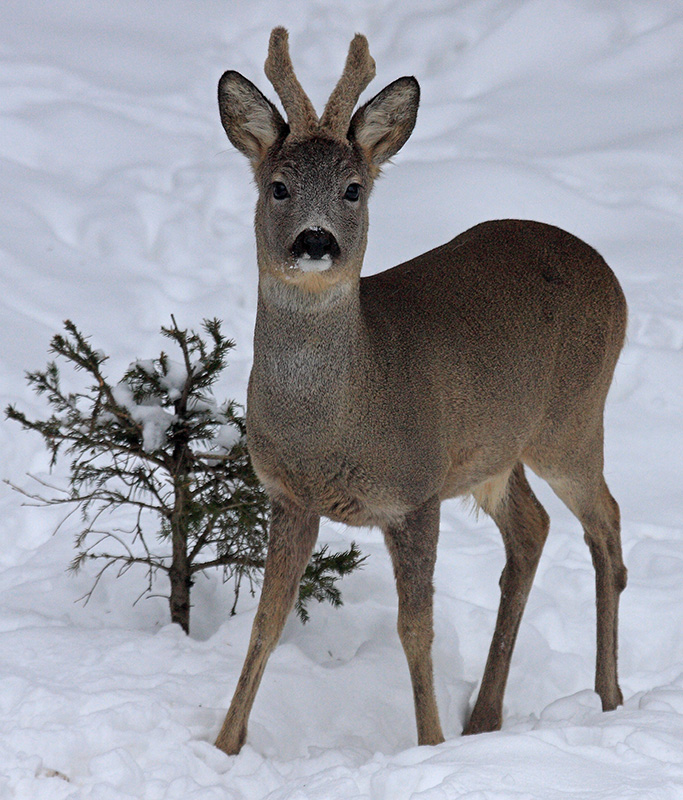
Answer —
301 115
373 399
359 70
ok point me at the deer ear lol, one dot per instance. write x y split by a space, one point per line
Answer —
252 122
382 126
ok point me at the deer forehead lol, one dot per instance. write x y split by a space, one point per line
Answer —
314 161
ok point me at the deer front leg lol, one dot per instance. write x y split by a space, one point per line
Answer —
293 533
412 546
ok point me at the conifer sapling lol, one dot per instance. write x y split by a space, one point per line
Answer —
158 452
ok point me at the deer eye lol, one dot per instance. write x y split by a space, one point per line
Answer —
279 190
352 192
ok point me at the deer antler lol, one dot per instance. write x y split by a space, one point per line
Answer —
359 70
301 115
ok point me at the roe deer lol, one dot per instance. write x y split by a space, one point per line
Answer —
373 399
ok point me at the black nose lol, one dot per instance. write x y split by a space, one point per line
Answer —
316 243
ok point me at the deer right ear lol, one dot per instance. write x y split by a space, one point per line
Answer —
382 126
252 122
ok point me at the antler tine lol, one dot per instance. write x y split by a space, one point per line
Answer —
359 70
301 115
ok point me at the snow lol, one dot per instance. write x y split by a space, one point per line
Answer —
175 378
227 436
154 419
308 264
123 203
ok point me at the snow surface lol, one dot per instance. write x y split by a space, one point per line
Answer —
123 203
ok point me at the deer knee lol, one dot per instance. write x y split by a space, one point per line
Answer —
607 559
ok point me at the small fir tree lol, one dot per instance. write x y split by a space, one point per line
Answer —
158 445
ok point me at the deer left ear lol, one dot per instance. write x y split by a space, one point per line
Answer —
252 122
382 126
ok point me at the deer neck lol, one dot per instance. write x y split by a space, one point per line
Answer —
306 345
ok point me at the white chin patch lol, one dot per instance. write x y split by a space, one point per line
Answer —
308 264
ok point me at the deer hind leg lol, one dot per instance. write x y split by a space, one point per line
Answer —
292 536
523 523
590 500
412 546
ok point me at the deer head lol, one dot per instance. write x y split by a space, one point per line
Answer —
314 175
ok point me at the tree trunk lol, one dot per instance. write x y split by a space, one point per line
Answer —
180 592
180 573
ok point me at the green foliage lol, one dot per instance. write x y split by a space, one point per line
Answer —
158 446
319 581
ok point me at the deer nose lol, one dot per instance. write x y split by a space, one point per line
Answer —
316 243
